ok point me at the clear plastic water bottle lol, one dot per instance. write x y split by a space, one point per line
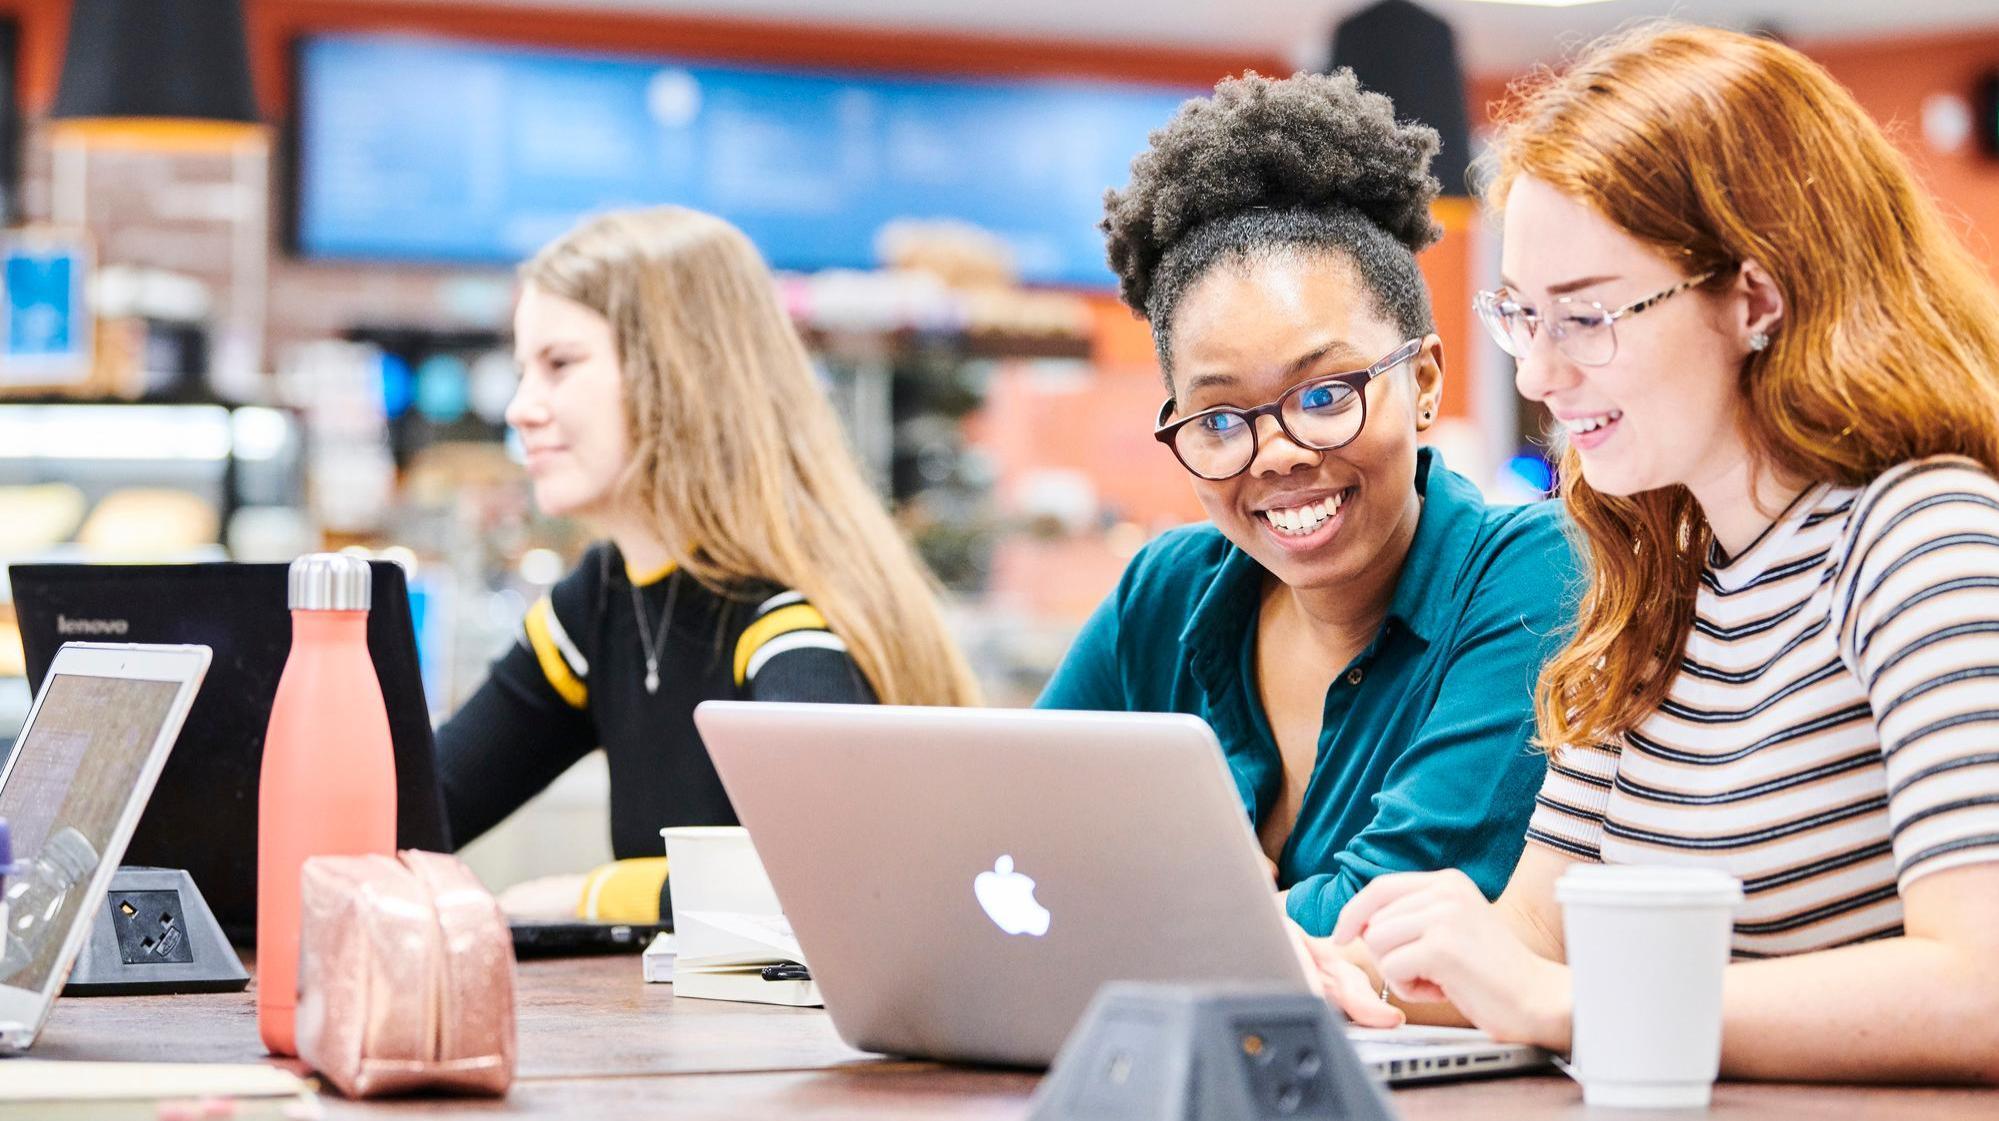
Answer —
35 894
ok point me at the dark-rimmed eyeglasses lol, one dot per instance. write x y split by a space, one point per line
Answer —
1319 414
1583 330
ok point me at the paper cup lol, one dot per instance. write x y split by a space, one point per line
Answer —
1647 947
715 868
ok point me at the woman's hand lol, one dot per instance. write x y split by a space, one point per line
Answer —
549 897
1345 985
1436 939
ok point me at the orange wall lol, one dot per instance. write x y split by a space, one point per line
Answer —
274 24
1891 77
1449 267
44 25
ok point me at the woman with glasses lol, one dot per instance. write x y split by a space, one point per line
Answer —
666 402
1361 630
1778 374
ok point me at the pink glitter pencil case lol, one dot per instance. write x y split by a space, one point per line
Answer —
406 976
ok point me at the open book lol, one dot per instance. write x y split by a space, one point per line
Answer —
723 956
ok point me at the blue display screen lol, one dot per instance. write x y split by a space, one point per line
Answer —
44 315
423 149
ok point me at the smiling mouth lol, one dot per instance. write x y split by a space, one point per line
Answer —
1583 425
1302 521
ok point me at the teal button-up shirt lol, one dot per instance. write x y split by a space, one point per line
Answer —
1424 751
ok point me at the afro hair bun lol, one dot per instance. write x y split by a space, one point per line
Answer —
1313 141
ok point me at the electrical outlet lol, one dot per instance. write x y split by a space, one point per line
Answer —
151 928
1129 1079
1285 1064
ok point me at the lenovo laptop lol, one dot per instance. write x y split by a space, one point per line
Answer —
203 813
962 881
103 721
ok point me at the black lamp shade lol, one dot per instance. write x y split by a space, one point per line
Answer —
1398 49
183 59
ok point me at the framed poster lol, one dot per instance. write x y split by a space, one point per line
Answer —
45 322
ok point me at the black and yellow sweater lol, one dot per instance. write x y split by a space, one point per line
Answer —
575 681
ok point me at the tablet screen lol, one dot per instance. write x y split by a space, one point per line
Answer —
67 784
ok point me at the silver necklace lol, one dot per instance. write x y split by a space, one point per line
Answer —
652 649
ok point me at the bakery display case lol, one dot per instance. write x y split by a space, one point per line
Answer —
90 482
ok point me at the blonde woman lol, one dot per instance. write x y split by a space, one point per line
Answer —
666 402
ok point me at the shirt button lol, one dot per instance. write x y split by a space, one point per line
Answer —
1353 676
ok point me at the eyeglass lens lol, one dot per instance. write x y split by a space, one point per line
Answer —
1320 415
1581 330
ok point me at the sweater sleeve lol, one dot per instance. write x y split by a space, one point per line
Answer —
788 653
1459 795
529 721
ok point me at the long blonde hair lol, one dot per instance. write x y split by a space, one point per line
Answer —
735 449
1716 148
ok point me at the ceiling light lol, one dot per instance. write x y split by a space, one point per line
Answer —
182 62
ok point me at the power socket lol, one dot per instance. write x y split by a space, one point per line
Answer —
1284 1062
155 934
1151 1051
151 928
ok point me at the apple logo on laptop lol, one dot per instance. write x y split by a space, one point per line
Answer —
1008 899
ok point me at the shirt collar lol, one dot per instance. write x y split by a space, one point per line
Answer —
1445 531
645 579
637 577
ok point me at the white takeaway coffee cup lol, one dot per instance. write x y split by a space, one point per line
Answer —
715 868
1647 946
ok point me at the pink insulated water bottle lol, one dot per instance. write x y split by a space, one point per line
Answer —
329 774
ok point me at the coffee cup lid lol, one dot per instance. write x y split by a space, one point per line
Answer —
1652 885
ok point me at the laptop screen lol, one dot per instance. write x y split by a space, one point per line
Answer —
66 786
203 813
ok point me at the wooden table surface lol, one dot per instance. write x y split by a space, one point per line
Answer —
597 1041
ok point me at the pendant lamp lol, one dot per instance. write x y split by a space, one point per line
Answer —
183 62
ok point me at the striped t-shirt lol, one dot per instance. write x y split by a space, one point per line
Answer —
1832 731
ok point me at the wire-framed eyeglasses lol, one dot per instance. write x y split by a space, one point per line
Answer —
1582 329
1320 413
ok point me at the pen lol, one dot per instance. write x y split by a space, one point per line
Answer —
785 971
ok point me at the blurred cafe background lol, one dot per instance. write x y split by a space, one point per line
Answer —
257 270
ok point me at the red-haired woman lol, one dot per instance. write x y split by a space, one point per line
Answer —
1778 374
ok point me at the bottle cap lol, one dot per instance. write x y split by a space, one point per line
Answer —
330 582
70 853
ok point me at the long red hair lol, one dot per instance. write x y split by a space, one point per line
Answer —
1717 148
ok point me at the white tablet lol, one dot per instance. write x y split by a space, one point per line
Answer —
72 790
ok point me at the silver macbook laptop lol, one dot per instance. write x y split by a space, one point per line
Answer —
71 792
963 880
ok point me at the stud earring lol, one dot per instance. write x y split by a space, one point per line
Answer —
1759 342
1426 416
